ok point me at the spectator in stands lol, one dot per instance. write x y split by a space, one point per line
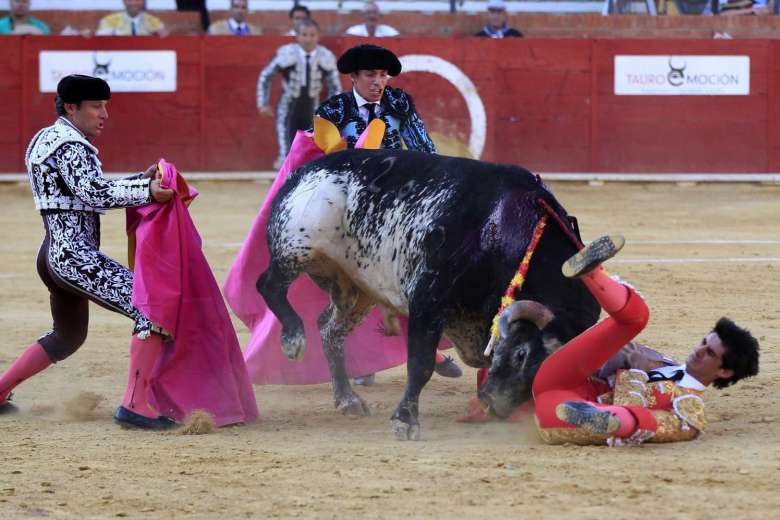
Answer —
133 21
371 28
236 24
738 7
304 67
298 13
19 20
496 26
196 5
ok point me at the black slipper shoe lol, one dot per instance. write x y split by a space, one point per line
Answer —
128 419
593 255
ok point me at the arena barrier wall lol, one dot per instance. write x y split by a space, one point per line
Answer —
547 104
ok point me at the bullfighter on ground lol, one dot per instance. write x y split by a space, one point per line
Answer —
650 399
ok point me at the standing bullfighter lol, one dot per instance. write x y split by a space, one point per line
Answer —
370 68
652 400
304 67
70 192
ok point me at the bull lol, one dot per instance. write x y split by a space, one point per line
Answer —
437 239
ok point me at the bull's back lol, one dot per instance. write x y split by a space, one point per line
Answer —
389 218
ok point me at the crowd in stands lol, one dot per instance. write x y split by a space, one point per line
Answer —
135 20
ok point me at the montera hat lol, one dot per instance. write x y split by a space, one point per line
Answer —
77 88
369 57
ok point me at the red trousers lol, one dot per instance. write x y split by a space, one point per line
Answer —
566 374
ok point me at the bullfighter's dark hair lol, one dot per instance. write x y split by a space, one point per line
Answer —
741 353
308 22
59 106
299 7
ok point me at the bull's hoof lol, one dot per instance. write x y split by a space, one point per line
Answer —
294 347
353 405
405 431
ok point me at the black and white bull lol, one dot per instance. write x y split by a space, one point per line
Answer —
437 239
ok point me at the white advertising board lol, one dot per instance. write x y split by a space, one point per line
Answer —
679 75
125 71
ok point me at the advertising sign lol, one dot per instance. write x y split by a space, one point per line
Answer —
680 75
125 71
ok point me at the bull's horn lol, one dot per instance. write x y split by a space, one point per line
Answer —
529 310
490 346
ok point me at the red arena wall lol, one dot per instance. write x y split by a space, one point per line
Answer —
549 105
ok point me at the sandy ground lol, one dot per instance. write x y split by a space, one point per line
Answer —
304 460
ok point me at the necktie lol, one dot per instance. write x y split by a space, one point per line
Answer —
308 75
132 27
657 375
370 107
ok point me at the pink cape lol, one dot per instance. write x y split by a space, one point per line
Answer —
367 350
202 368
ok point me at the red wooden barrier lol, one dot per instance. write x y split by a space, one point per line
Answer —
549 104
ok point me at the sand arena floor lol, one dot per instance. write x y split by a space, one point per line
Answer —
304 460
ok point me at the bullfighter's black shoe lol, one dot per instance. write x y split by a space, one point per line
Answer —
448 368
7 407
128 419
593 255
587 416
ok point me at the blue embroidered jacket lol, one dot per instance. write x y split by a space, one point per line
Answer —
398 113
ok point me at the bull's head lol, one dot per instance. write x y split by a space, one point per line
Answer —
517 356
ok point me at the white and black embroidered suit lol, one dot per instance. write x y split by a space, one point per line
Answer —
70 191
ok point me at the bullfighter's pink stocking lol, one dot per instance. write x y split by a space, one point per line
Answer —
33 360
143 355
627 420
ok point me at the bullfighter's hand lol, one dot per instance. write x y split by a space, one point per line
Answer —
153 172
160 194
266 111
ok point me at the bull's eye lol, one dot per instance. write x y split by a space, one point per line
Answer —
519 357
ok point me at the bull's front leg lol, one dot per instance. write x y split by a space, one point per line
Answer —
425 330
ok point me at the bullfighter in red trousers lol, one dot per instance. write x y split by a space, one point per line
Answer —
648 399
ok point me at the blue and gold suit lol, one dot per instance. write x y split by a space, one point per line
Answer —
398 113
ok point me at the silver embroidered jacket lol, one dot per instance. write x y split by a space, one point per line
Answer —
290 62
65 174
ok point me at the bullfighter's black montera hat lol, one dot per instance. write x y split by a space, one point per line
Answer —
78 87
369 57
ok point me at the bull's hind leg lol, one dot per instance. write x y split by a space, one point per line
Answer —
273 285
349 305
